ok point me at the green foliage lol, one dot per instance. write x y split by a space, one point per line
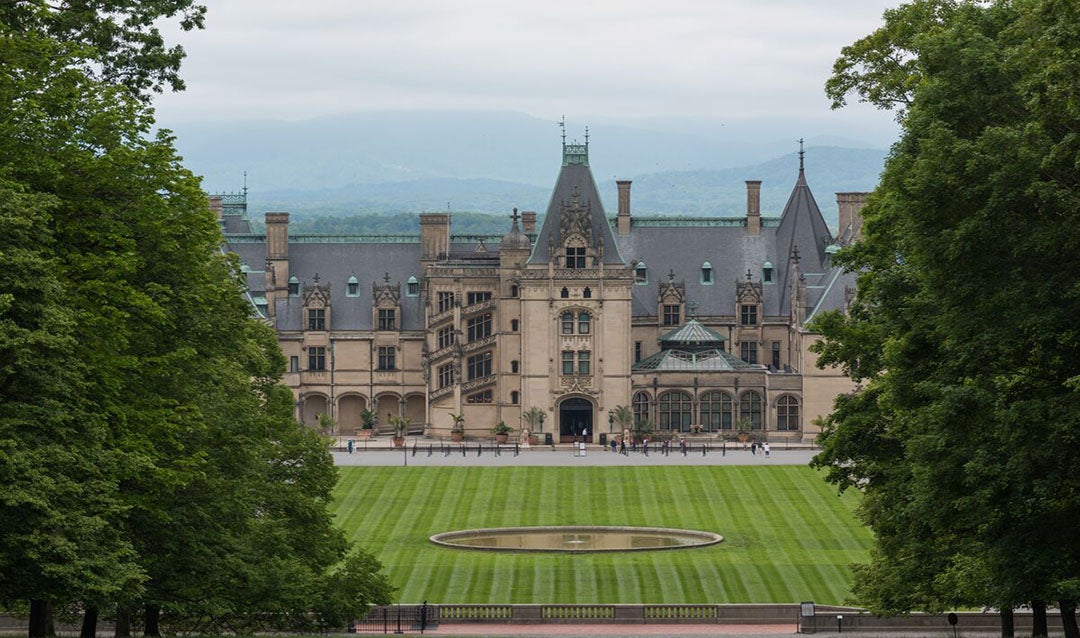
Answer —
501 428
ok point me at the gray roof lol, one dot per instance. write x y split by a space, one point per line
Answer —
575 180
691 334
712 360
802 229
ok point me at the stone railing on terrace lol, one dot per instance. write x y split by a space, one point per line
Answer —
476 384
479 343
479 307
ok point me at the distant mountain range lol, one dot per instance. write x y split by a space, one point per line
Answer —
411 161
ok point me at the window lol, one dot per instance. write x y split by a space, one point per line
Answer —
445 301
575 257
641 275
477 297
446 375
717 411
568 323
316 319
787 413
676 411
479 397
387 319
749 351
316 358
514 366
387 358
766 273
445 337
564 293
583 323
706 274
637 351
641 408
750 410
748 314
672 312
514 325
514 397
352 288
479 327
514 291
776 354
294 364
479 366
587 293
583 359
567 362
294 287
412 287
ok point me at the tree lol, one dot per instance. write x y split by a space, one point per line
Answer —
963 328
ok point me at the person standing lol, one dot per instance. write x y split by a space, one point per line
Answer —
765 448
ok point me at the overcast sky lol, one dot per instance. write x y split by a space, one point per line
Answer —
722 59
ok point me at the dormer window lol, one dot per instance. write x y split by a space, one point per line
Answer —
641 274
706 274
767 273
352 287
412 287
294 286
575 257
748 314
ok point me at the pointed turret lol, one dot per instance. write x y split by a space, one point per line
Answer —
803 230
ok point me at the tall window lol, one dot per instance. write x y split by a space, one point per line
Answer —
294 364
514 324
787 413
587 293
294 287
641 407
776 354
352 287
766 273
564 293
387 319
749 351
477 297
748 316
316 319
445 337
479 327
706 273
446 375
750 410
387 358
514 290
316 358
479 366
641 274
717 411
514 397
412 287
583 323
568 323
567 362
575 257
671 314
583 359
676 411
515 365
444 301
637 351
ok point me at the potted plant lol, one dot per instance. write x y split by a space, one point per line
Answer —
326 424
534 416
457 430
400 425
367 422
502 432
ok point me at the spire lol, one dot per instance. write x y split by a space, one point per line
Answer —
802 153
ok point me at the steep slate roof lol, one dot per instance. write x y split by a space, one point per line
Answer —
575 179
802 228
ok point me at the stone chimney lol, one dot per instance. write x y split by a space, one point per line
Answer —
622 221
215 205
434 235
277 259
753 207
528 222
850 220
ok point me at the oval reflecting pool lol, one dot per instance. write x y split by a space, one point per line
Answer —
575 539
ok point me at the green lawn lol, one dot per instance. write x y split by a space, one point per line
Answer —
788 536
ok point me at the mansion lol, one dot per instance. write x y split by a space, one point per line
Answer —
694 324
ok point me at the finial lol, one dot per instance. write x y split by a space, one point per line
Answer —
586 137
671 275
515 217
562 125
316 279
386 278
748 275
245 185
795 253
801 154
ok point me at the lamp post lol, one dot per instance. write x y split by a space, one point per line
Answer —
610 422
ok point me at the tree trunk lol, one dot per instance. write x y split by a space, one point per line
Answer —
1068 618
89 623
152 621
50 620
123 623
1038 619
39 618
1008 628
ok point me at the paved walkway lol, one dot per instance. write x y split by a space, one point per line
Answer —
628 631
481 454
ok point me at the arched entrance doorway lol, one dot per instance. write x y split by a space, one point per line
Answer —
576 417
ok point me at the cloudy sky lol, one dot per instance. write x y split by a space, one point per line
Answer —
609 58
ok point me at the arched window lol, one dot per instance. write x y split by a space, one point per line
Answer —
587 293
676 411
706 274
766 273
568 323
641 408
412 287
294 286
787 413
750 410
352 287
717 411
641 274
583 323
564 293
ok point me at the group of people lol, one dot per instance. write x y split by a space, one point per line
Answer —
764 447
